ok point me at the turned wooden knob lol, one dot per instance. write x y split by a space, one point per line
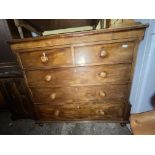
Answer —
103 53
78 107
53 96
48 78
101 112
44 58
102 93
57 112
103 74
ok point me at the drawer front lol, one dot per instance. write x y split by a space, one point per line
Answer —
48 58
102 93
53 95
119 73
64 95
83 112
104 54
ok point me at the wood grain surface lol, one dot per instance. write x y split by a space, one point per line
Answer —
81 76
83 112
114 54
118 74
55 58
63 95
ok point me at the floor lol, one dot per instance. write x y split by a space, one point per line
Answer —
29 127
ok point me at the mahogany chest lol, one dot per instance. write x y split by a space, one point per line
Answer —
80 76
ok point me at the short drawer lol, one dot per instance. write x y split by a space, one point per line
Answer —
84 111
47 58
118 74
104 54
65 95
52 96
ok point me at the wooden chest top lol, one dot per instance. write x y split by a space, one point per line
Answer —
106 35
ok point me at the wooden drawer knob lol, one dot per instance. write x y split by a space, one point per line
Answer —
44 58
102 93
57 112
103 74
103 53
100 112
48 78
53 96
78 107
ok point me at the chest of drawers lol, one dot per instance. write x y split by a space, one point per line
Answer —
82 75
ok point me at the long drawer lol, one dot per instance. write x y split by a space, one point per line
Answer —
91 111
47 58
63 95
119 73
104 54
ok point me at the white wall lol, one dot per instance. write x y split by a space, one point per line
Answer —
143 86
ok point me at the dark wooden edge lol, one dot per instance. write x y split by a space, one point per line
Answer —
127 110
81 33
